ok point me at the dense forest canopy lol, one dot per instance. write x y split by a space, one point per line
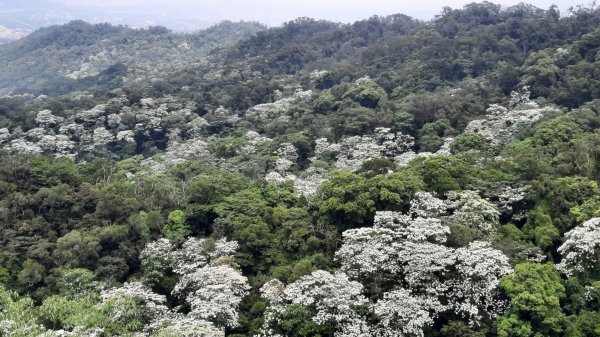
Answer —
390 177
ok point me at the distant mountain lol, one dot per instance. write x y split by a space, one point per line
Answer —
7 35
31 15
51 60
37 14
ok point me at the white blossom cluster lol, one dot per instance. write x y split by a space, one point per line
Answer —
155 304
93 131
270 111
424 204
581 249
318 74
306 183
470 210
4 135
178 152
9 327
213 293
181 325
45 118
254 139
507 200
287 156
207 282
409 253
393 144
405 158
403 264
331 297
352 152
464 208
156 260
509 196
520 99
93 65
501 125
309 181
403 314
475 293
22 146
163 320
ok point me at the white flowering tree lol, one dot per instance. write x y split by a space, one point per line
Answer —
426 205
501 125
180 325
387 251
475 293
156 260
213 293
154 304
403 261
464 209
402 314
352 152
581 250
332 300
136 306
470 210
269 111
287 155
206 277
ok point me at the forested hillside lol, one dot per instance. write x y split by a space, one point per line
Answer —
79 56
390 177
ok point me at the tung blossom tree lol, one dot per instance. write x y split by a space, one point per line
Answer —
403 314
581 249
206 281
403 264
501 124
305 183
213 293
332 299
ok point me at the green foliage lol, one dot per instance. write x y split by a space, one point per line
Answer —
347 200
77 283
535 291
460 329
325 102
431 136
540 228
443 174
590 208
130 316
297 322
31 275
20 310
4 277
559 195
350 200
226 147
176 229
512 326
367 93
468 141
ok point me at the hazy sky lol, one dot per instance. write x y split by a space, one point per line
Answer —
274 12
